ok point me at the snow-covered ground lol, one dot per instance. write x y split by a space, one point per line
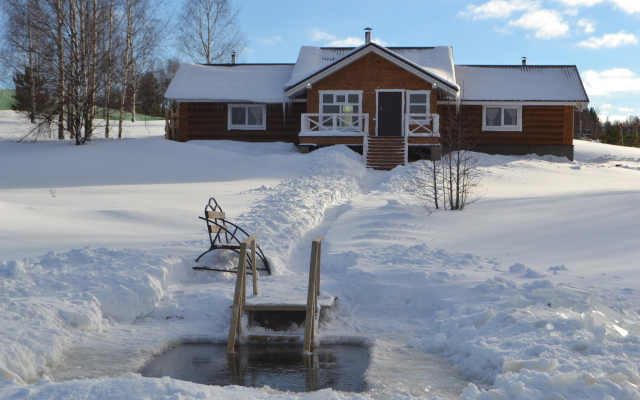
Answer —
530 293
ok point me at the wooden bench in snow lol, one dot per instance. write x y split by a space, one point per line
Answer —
225 235
279 300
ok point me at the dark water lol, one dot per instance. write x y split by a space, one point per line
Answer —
340 367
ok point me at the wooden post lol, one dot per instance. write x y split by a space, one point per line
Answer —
312 297
254 267
236 310
319 240
240 294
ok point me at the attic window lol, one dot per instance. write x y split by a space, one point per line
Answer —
501 117
247 117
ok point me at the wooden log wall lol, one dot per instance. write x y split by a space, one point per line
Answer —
208 121
541 125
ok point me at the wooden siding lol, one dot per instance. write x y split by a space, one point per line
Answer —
183 125
541 125
417 140
369 73
328 140
208 121
568 125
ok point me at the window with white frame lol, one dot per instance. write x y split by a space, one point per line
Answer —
418 104
341 105
502 118
247 116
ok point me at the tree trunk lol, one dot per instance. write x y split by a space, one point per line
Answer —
107 90
129 10
134 87
61 80
32 64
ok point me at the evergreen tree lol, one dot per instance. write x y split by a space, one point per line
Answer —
43 100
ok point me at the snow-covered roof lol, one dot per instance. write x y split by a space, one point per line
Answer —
436 62
239 82
520 83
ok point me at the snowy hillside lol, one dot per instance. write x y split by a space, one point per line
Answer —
530 293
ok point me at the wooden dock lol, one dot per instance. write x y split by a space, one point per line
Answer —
310 303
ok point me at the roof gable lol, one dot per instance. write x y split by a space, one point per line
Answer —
315 63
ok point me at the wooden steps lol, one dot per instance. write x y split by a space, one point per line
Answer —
385 152
279 310
276 338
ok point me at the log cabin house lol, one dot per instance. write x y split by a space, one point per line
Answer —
386 102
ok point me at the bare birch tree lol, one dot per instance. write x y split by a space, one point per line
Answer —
24 44
208 30
453 181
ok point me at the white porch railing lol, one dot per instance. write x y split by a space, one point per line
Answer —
336 124
422 125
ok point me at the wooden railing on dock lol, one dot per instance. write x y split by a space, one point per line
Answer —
312 295
240 295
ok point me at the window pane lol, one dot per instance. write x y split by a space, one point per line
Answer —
327 98
340 98
327 121
347 109
510 116
254 117
330 109
417 109
238 116
354 98
494 117
418 98
356 109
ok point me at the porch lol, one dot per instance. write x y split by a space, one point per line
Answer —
380 149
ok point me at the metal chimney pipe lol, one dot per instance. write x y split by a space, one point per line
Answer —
367 35
524 60
233 57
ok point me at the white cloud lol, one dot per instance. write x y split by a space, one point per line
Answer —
615 80
354 42
580 3
271 40
627 6
497 9
610 40
547 24
347 42
317 35
586 25
625 110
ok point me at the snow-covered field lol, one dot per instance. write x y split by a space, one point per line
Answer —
530 293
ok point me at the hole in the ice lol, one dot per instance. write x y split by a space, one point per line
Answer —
281 367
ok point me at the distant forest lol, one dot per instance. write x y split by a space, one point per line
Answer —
587 125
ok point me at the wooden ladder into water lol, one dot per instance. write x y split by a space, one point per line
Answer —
311 308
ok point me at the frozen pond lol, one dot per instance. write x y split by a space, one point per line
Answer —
280 367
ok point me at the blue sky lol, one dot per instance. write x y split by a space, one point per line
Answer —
601 37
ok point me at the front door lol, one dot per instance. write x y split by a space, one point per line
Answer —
389 117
